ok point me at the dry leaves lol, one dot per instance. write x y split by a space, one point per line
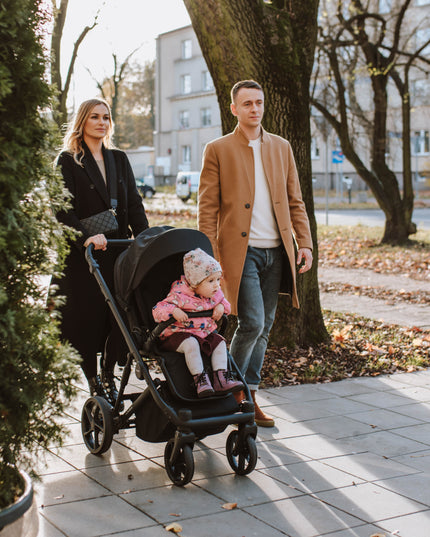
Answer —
358 247
229 506
358 347
174 527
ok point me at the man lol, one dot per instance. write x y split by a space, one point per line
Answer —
250 204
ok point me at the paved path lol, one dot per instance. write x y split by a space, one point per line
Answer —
346 459
403 314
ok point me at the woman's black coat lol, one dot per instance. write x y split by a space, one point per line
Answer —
85 315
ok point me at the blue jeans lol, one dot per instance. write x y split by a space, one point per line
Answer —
258 298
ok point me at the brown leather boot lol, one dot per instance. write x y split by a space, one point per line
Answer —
261 419
239 396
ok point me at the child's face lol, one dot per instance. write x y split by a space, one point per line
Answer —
209 286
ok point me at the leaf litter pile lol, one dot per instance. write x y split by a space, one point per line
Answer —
357 346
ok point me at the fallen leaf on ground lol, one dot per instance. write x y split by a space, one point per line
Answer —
174 527
229 506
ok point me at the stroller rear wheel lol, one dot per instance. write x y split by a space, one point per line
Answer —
242 456
97 425
181 470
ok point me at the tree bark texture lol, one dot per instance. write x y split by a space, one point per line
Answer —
274 44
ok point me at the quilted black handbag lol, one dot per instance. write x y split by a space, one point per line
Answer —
105 222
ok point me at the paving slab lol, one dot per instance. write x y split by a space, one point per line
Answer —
304 516
351 459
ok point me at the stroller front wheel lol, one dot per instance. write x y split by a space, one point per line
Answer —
181 470
97 425
242 456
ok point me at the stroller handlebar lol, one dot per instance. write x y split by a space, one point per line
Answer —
191 314
89 251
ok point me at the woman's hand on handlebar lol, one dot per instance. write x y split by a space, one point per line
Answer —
99 241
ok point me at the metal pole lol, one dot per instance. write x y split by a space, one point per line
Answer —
326 181
417 147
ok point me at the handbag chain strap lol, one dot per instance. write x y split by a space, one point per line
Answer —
112 178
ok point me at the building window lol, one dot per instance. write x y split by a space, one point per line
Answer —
206 117
186 154
186 49
184 119
420 92
315 150
185 84
207 83
421 142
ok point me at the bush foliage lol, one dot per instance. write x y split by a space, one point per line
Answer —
37 371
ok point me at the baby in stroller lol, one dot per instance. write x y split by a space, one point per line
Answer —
198 290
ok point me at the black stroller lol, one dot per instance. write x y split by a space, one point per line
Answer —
167 409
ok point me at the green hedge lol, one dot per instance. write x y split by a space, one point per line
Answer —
37 372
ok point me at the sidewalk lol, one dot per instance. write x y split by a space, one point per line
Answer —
403 314
346 459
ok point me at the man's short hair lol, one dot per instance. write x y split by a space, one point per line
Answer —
252 84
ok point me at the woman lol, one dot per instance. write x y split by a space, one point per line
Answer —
89 171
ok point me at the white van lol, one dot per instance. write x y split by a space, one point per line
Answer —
187 183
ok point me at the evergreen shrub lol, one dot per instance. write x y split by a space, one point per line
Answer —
37 372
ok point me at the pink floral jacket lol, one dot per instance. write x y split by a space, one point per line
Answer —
182 296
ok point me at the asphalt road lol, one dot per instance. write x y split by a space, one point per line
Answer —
367 217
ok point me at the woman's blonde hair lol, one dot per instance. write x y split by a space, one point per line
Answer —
75 133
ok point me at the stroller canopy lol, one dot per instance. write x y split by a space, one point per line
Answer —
153 247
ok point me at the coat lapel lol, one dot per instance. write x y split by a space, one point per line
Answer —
248 163
94 174
267 159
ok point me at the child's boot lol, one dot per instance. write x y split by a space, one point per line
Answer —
224 382
203 385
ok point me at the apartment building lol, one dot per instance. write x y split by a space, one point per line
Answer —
326 158
186 107
187 111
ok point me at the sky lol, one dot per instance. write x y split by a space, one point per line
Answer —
123 25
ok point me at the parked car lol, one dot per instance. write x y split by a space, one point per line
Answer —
146 191
187 183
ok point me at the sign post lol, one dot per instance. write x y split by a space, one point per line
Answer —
337 158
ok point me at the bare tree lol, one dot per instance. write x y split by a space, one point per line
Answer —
110 87
356 42
274 43
59 15
130 93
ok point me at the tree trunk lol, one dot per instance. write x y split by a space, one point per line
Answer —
60 103
273 44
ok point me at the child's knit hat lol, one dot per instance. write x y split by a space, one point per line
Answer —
198 265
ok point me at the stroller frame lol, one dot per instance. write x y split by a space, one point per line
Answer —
100 421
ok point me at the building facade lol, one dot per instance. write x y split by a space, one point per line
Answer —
187 112
327 163
186 107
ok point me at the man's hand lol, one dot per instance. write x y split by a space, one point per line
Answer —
304 254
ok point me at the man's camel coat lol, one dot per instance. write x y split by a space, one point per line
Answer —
226 199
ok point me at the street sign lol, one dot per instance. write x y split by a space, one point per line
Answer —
337 157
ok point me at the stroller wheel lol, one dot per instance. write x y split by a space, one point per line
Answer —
242 456
181 470
97 425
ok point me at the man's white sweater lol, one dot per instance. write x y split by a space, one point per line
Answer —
264 230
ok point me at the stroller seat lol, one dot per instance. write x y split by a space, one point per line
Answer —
168 409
